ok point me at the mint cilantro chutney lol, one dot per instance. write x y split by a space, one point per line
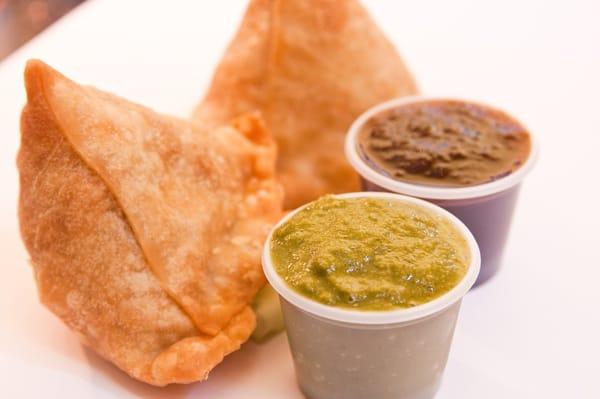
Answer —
369 253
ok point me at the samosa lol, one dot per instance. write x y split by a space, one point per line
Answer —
311 67
144 230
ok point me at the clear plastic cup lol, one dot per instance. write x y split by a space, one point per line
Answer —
486 209
348 354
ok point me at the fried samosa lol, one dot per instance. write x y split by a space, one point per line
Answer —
144 230
311 67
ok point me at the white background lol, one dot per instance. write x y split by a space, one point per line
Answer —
532 332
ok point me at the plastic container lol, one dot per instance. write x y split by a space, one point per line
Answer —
486 209
344 353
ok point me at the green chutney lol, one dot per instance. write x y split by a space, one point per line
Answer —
369 253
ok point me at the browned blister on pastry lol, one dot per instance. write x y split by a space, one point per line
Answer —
311 67
144 230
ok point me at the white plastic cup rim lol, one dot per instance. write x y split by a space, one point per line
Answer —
377 318
424 191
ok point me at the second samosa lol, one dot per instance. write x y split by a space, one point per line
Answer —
311 67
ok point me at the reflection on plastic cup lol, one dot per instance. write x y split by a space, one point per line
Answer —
343 353
486 209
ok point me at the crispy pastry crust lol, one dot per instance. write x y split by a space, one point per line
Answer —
311 67
144 231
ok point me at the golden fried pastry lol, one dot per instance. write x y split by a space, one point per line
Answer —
311 67
144 230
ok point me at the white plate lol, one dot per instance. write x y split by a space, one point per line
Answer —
530 332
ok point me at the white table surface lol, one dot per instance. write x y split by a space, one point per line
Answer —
532 332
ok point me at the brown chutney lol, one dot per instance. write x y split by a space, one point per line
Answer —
447 143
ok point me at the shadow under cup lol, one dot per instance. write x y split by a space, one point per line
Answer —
486 209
